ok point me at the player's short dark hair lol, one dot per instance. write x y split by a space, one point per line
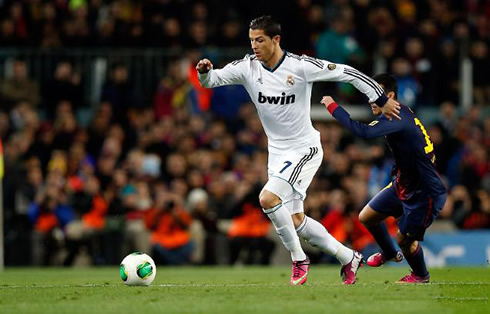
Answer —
268 24
388 81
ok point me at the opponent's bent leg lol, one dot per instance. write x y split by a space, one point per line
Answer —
373 221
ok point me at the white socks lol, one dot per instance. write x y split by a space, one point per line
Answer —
282 221
310 230
317 235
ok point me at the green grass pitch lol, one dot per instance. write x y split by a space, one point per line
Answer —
241 290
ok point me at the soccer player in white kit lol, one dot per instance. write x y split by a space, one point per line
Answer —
279 84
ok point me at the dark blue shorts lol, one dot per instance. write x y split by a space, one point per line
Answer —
414 214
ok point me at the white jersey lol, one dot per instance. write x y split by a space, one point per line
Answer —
282 95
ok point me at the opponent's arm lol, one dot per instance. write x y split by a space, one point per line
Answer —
374 129
322 70
232 73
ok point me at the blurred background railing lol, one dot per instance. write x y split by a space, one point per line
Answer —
147 66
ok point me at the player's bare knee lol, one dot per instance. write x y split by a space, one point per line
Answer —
268 200
366 217
363 218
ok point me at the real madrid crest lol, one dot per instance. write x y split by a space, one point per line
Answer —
331 66
290 80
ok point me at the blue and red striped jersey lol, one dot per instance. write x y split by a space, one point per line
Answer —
410 144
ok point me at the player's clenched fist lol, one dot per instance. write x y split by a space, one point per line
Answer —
327 100
204 65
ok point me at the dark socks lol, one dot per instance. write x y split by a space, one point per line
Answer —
382 237
417 262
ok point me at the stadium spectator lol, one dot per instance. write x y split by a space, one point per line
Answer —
18 87
447 57
480 59
169 223
119 92
468 211
65 85
226 102
49 215
172 34
249 229
232 33
337 45
113 245
64 126
90 209
16 13
172 91
335 218
29 188
409 88
7 34
136 202
421 68
204 229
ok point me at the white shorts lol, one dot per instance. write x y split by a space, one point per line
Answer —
291 173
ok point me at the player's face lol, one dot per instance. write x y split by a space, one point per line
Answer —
262 45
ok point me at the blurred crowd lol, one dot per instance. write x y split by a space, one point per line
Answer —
179 181
421 42
179 176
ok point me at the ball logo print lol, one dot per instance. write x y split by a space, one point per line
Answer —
144 270
123 272
137 269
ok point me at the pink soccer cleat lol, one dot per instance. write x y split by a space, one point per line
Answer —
378 259
348 272
299 272
412 278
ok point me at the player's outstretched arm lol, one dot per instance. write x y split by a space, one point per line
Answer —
232 73
204 66
323 70
374 129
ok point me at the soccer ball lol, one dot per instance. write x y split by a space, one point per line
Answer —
137 269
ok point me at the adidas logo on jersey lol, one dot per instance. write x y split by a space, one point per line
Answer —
277 100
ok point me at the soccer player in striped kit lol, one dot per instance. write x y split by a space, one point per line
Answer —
279 84
416 195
